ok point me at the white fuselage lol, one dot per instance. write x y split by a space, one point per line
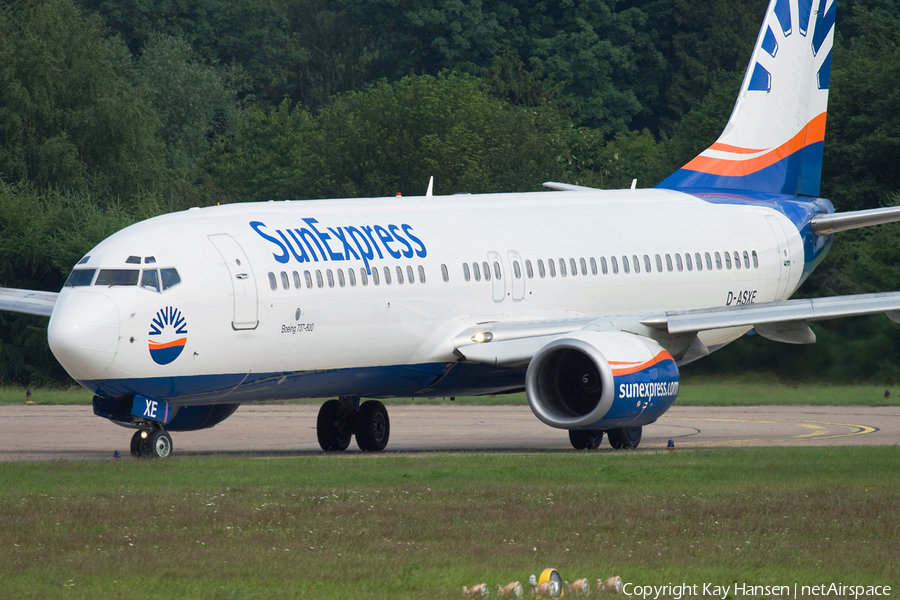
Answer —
238 329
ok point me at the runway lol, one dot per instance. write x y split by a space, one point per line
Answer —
33 433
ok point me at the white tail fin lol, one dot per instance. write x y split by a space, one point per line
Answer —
774 140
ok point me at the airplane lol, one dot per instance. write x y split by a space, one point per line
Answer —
587 299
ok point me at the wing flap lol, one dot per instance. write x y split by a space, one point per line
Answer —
30 302
800 311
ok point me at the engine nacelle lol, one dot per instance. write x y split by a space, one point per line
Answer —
601 380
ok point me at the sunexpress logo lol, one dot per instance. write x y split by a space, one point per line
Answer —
169 331
365 242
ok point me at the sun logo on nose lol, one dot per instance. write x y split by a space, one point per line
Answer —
170 328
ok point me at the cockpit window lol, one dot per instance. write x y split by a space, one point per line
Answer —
81 277
150 280
117 277
170 278
133 260
84 260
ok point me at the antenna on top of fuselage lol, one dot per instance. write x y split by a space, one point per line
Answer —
428 192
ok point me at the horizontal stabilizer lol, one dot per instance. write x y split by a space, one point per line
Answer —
568 187
29 302
833 223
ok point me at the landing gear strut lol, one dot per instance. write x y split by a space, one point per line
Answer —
151 443
339 419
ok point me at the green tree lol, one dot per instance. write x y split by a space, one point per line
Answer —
66 118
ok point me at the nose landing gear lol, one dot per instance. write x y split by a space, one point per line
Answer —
151 443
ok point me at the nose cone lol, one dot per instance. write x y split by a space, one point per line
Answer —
84 333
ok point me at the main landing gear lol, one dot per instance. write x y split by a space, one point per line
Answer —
620 438
340 419
151 443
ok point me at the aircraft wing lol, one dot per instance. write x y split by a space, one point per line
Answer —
28 301
514 343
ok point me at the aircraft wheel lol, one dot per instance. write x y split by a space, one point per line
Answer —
136 441
373 427
333 427
159 444
585 440
625 438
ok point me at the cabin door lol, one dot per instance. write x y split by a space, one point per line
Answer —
243 283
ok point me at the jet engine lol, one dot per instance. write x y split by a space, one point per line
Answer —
601 380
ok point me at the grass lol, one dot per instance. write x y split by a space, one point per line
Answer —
388 526
695 391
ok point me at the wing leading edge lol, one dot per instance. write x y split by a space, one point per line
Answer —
30 302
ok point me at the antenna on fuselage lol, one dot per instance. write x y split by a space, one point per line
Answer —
428 192
633 184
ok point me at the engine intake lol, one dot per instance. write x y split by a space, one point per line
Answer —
599 380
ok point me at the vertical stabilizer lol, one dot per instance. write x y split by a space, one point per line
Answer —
774 140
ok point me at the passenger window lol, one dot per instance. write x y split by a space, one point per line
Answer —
113 277
387 276
497 272
718 261
737 260
352 275
541 271
708 261
296 280
273 283
476 270
517 270
169 278
552 266
466 275
340 274
375 279
80 277
487 271
330 278
678 263
625 267
648 268
562 267
399 275
698 260
583 266
636 263
728 260
669 266
363 276
285 282
319 281
409 274
308 277
755 260
593 266
603 268
529 270
573 269
421 274
615 265
659 263
687 261
445 274
150 280
746 260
